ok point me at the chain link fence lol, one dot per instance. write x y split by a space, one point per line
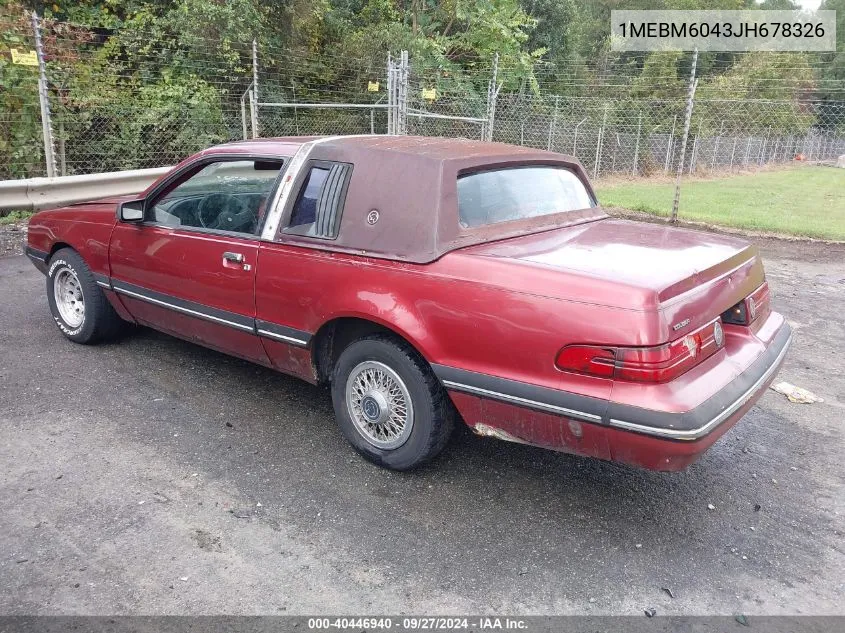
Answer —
117 103
641 138
21 147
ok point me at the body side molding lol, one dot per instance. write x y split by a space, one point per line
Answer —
281 333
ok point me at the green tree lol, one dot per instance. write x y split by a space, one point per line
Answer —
21 153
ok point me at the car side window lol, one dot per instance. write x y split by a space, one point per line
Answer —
319 204
224 196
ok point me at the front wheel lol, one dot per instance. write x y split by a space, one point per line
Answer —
389 404
77 303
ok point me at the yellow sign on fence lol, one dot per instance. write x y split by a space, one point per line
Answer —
24 58
429 94
372 86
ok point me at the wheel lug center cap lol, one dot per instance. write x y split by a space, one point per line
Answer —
374 406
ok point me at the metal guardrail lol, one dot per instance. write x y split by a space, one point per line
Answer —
43 193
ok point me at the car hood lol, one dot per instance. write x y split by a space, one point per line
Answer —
107 200
624 263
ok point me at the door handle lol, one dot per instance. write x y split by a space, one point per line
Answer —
235 258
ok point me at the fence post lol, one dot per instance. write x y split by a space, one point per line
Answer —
599 143
254 96
637 144
397 94
389 94
575 138
762 158
693 82
694 158
669 145
243 118
716 146
403 94
492 96
692 155
62 156
733 151
46 123
391 101
295 110
553 124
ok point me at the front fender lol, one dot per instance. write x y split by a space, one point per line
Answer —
85 228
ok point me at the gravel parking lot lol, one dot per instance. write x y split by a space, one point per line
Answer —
153 476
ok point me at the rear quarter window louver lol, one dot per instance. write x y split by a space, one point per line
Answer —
331 200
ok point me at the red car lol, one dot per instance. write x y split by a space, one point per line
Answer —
427 280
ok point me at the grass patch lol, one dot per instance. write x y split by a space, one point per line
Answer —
807 201
15 216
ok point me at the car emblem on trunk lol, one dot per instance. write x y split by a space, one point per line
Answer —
718 334
372 217
678 326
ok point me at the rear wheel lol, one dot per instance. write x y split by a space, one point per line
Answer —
79 307
389 404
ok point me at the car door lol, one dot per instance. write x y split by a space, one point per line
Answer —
189 267
296 274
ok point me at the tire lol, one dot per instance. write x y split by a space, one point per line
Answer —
373 364
88 317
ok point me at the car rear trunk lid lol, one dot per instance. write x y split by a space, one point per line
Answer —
690 277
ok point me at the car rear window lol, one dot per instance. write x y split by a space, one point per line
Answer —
517 193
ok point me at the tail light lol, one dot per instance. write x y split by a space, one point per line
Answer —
747 310
643 364
586 359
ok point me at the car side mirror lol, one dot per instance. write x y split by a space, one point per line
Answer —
131 211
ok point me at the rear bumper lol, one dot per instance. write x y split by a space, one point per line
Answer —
653 439
713 412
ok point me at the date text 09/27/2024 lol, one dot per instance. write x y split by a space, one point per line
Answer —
420 623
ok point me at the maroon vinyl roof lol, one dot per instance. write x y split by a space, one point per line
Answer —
412 182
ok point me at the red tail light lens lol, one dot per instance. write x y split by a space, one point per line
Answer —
658 364
643 364
586 359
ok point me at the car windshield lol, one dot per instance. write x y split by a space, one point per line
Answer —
240 176
501 195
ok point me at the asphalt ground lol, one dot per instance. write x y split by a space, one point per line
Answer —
152 476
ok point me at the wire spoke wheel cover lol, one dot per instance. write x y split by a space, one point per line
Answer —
70 302
379 404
